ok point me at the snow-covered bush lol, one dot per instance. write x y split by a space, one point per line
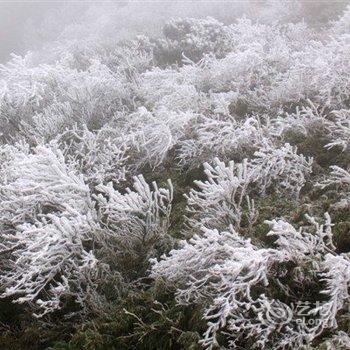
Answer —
95 128
222 267
282 167
224 198
301 121
100 156
47 222
300 244
339 129
192 38
152 136
34 184
319 72
137 221
337 176
52 97
218 201
221 136
230 278
258 68
48 260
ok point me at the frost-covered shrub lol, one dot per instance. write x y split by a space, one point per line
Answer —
301 121
271 65
130 58
51 97
34 184
221 136
47 221
340 340
301 244
218 201
340 179
152 136
48 260
283 168
222 267
257 66
192 38
137 221
339 129
167 89
230 278
320 72
337 176
100 156
253 101
224 198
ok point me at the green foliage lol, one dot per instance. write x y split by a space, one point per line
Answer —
140 322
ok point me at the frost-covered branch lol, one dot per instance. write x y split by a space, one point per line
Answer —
218 202
138 220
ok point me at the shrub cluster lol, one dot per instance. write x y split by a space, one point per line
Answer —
182 192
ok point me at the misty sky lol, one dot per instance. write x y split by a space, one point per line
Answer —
26 25
13 19
17 36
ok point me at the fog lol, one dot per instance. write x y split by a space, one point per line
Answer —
14 17
31 25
